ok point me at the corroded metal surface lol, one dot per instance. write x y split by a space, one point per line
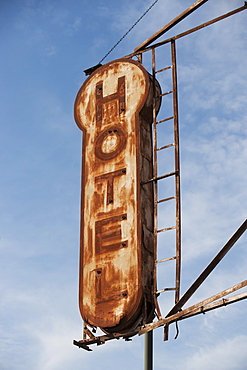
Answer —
116 258
113 108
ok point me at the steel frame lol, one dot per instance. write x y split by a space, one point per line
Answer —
217 300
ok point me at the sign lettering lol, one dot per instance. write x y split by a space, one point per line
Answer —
115 287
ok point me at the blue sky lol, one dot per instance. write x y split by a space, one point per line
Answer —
45 46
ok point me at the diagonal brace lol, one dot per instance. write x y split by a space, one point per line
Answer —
208 269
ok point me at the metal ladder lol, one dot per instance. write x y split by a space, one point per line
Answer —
176 173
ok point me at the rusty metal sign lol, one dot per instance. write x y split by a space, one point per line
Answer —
113 108
116 108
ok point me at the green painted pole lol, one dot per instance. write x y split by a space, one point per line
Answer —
148 350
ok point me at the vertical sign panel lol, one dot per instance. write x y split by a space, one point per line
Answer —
113 108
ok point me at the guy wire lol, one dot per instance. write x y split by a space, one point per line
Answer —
128 31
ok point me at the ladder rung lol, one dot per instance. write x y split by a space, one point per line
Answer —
164 290
166 93
163 69
165 199
160 177
166 259
166 229
166 175
165 146
166 119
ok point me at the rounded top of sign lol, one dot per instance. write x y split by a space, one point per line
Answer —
116 62
104 81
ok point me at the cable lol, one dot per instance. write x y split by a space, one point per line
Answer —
177 329
128 31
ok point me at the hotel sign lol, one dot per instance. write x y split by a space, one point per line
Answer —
113 108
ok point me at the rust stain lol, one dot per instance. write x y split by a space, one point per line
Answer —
113 110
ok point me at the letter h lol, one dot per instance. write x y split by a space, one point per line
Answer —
119 95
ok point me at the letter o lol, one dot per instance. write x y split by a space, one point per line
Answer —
110 143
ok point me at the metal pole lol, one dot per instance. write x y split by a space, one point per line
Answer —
148 351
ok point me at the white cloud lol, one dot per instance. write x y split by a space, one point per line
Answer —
227 355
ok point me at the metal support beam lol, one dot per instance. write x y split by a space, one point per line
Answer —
188 32
218 304
208 269
171 24
201 307
203 25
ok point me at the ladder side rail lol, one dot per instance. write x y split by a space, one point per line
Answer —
155 185
177 170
